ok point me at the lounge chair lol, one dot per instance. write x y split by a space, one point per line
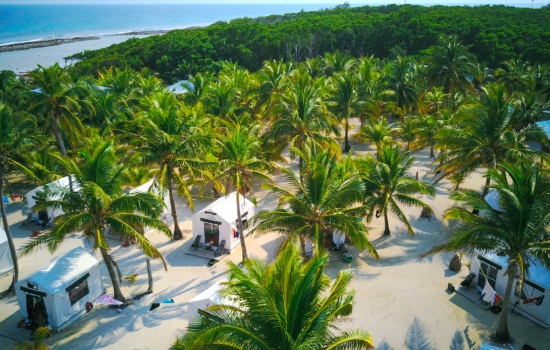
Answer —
196 243
221 248
468 280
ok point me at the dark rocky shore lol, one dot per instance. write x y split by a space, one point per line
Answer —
52 42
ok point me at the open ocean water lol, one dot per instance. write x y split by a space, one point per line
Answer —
19 23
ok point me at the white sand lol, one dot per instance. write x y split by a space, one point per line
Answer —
390 293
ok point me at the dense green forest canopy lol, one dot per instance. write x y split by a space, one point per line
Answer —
495 33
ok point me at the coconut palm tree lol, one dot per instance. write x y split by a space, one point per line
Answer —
451 67
289 304
324 201
400 77
387 185
517 231
173 142
271 80
379 133
56 100
240 160
99 206
515 76
14 141
303 115
344 101
482 136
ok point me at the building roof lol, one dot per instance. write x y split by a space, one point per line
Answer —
64 270
545 126
537 273
181 87
226 207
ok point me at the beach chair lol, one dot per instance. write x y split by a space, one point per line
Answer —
196 243
468 280
221 248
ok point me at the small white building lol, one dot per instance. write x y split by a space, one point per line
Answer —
33 196
218 221
57 294
491 268
209 297
6 262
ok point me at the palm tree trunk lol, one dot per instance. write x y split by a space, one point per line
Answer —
486 188
502 333
61 144
346 140
149 276
386 223
13 252
116 285
303 246
432 154
177 231
240 228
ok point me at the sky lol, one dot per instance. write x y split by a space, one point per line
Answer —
329 2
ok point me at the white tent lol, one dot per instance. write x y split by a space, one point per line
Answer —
32 196
218 221
6 263
491 268
57 294
165 216
492 198
209 297
181 87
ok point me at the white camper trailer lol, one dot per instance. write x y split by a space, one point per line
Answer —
57 294
218 221
6 263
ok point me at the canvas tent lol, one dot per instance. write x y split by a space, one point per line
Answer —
209 297
58 293
165 216
33 196
218 221
6 263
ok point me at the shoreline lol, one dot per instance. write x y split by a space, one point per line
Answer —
26 45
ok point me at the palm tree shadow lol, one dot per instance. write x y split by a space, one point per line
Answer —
457 343
384 346
417 337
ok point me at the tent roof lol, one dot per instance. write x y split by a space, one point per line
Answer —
537 273
492 197
181 87
3 236
545 126
64 270
143 188
211 293
62 182
226 207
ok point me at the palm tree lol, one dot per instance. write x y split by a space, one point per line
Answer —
380 133
173 142
451 67
271 80
345 101
240 160
515 76
387 184
427 128
516 232
98 206
286 305
484 137
324 201
337 62
14 141
400 78
303 115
